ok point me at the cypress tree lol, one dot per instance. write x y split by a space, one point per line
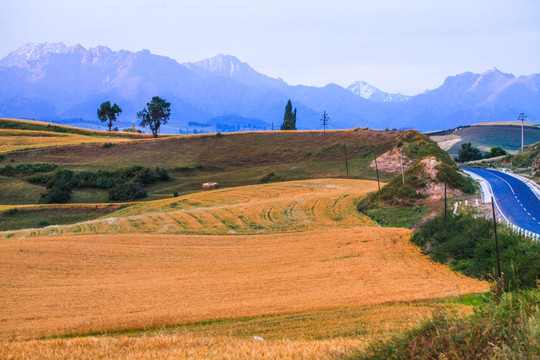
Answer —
289 119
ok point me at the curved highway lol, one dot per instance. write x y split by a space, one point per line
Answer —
513 197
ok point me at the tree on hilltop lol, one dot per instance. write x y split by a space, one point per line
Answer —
157 112
289 119
468 153
109 113
495 151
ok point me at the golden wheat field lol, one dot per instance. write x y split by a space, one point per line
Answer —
54 285
257 209
200 275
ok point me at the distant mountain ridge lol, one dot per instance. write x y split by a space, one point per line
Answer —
57 82
370 92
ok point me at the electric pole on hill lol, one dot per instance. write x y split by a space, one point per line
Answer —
346 160
324 121
445 203
522 118
377 170
499 278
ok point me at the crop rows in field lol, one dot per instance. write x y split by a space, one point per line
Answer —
56 285
272 208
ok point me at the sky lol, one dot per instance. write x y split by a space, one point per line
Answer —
399 46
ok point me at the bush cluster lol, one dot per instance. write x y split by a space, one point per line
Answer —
466 243
271 177
497 330
123 184
27 169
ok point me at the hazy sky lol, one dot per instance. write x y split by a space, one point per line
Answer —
404 46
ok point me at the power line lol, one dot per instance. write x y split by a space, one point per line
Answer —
522 118
324 121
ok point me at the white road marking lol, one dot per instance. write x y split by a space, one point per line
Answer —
507 183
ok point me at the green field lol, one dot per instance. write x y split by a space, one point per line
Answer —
485 137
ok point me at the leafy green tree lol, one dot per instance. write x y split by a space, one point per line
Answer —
495 151
109 113
468 153
289 119
157 112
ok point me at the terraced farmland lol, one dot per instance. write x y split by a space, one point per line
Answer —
257 209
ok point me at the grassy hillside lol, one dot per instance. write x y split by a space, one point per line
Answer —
33 125
484 136
279 252
230 159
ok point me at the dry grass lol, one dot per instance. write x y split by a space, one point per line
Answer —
447 141
271 208
179 347
109 282
320 334
14 139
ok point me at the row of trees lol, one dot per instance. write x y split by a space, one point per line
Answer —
156 113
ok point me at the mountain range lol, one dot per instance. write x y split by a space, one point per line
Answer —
67 84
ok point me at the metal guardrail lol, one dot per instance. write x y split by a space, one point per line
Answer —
513 227
521 231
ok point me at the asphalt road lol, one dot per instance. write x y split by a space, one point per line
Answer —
515 200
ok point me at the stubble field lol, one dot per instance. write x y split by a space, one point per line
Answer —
198 276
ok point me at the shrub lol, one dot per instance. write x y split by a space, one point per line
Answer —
108 145
127 191
43 224
497 330
271 177
59 187
11 212
175 194
28 169
467 245
455 180
7 170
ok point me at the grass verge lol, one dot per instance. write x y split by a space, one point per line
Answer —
509 329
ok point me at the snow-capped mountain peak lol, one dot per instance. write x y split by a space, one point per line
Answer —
370 92
31 52
231 67
224 65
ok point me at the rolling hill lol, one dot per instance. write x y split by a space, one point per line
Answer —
280 253
506 135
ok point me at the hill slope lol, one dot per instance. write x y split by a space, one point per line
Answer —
506 135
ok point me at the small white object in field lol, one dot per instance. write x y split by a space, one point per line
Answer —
258 338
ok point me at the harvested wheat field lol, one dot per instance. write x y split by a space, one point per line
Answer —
256 209
57 285
179 347
14 139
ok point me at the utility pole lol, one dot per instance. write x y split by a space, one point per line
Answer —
377 170
324 121
346 161
272 126
499 279
445 203
522 118
402 168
